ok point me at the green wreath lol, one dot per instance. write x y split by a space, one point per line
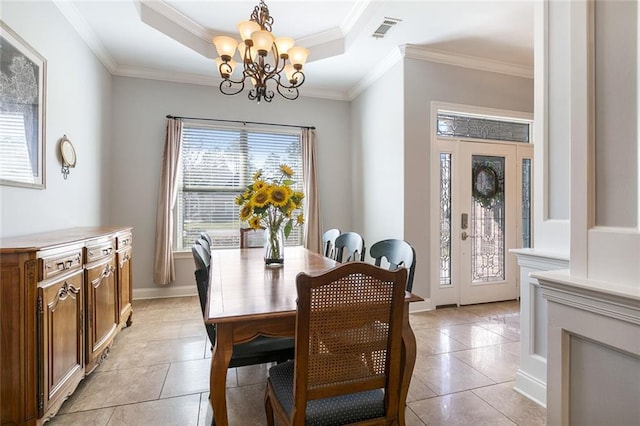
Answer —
486 187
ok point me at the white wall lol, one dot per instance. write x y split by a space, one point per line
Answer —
426 82
378 159
139 110
78 104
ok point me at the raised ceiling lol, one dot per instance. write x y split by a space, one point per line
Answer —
171 40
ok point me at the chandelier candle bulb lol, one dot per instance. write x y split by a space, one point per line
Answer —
283 44
246 28
298 56
262 41
289 71
252 52
226 46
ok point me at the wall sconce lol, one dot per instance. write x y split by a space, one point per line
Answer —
67 155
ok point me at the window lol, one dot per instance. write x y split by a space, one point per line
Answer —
216 165
464 126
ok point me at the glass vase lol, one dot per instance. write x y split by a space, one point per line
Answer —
273 247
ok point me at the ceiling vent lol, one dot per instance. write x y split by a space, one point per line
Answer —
385 26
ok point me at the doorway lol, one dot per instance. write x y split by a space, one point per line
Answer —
484 211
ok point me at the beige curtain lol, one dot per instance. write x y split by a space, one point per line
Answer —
163 266
312 230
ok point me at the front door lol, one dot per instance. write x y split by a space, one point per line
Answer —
484 213
487 197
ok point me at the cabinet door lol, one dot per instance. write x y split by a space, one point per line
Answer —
61 340
124 286
102 313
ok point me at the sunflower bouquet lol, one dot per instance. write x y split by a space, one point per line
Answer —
269 203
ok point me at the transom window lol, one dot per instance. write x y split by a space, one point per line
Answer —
216 165
455 125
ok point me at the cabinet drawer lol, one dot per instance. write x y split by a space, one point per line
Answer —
50 266
124 240
97 250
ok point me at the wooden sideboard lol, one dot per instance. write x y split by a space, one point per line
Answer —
64 295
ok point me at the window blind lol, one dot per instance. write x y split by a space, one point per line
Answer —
217 164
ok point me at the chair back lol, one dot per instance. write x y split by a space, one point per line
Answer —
202 259
348 247
204 243
205 236
360 305
328 242
398 253
250 238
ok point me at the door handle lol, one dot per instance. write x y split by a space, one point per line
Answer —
465 235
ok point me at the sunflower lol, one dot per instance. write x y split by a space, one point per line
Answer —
254 222
257 175
286 170
300 219
239 200
260 198
259 185
246 211
279 196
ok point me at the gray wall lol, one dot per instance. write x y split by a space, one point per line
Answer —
139 110
78 104
378 159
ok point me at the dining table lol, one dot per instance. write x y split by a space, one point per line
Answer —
246 299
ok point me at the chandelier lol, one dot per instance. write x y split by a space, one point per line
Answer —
265 59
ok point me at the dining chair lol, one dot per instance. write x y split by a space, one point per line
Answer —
363 305
397 253
205 236
250 237
260 350
328 242
204 243
349 245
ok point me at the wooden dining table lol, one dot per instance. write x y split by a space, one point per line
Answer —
247 299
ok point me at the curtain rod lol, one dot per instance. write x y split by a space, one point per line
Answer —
243 122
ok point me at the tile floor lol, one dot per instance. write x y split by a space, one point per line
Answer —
158 372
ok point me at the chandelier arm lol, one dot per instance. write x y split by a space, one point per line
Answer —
230 87
297 76
290 93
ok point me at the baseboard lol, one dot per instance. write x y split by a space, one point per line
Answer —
531 387
164 292
425 305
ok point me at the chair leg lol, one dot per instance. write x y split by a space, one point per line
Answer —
268 409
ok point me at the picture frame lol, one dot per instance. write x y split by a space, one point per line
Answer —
23 73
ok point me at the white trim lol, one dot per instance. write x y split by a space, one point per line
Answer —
426 305
548 234
163 8
164 292
613 255
531 388
71 13
152 74
451 294
466 61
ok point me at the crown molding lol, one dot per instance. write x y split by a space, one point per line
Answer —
70 12
354 15
474 62
185 78
178 18
161 75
